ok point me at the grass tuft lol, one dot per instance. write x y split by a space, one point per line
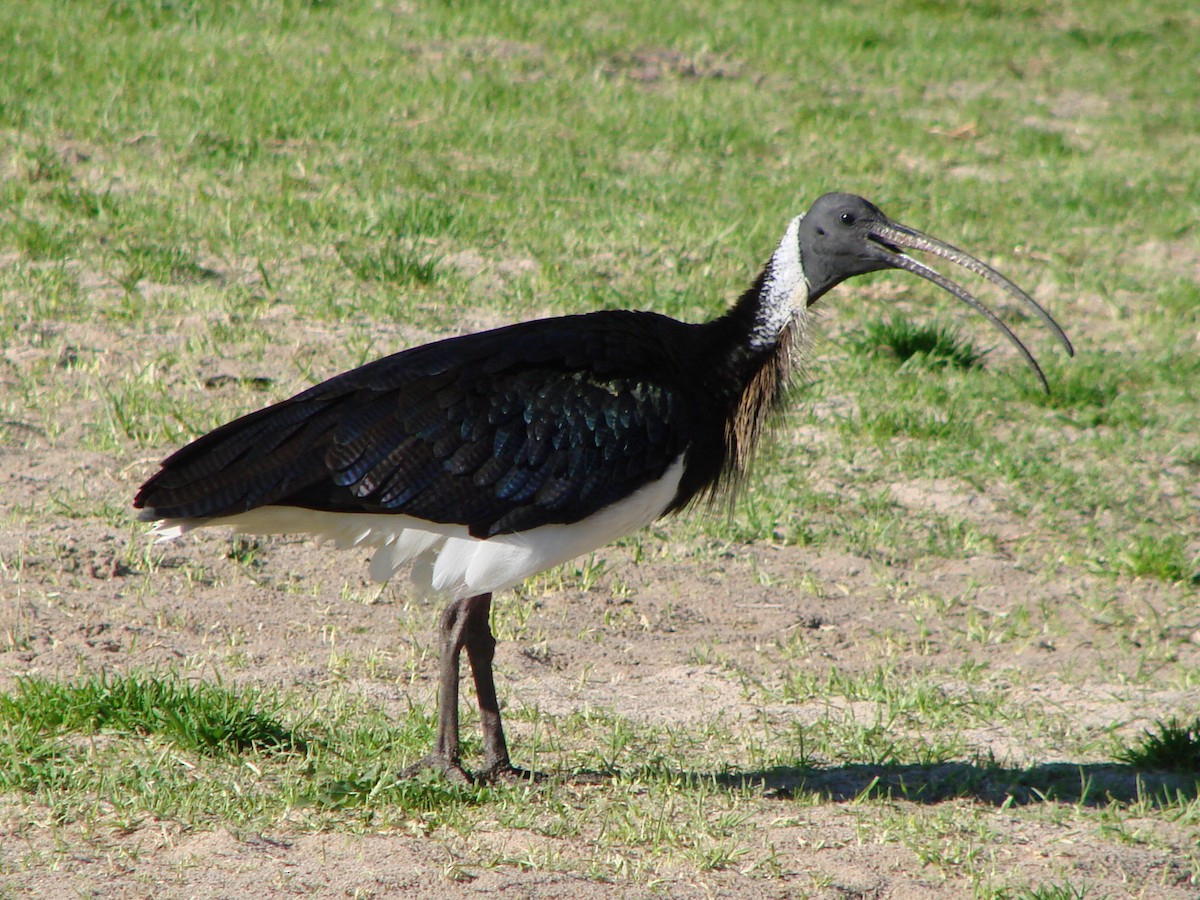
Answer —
164 263
38 240
934 346
1154 555
1171 747
198 716
1046 892
40 164
390 263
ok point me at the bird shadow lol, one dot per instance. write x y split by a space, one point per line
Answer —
1080 784
1085 784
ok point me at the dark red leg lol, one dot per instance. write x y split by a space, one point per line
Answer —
465 625
480 645
445 756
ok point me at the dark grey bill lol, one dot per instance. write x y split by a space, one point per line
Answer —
910 239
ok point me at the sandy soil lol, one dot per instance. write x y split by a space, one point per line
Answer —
69 603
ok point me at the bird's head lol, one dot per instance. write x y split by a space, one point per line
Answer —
843 235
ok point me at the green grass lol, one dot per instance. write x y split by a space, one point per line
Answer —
205 206
1172 746
1152 554
906 342
69 736
140 741
200 717
1049 892
390 263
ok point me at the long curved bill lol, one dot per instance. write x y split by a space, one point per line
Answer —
896 238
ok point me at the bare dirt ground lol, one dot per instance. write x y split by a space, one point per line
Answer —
677 646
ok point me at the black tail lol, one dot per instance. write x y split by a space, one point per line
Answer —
261 458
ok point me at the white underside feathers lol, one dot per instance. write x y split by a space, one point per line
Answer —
445 559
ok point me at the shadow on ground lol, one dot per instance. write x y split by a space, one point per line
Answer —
1090 784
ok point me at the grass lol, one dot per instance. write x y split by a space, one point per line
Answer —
1172 746
147 744
907 342
207 206
390 263
201 717
1154 555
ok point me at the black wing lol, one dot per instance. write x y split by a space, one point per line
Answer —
538 423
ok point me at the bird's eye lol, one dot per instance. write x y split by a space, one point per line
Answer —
847 218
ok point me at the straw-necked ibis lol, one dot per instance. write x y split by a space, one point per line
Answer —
481 460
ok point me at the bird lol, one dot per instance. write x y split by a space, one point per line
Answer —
480 460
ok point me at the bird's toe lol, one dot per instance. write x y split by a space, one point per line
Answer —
506 773
450 769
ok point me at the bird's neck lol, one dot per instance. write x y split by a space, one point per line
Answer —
765 335
778 297
766 328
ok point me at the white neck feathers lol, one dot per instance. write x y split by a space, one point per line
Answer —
784 290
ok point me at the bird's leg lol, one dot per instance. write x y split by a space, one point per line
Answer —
465 625
445 756
480 645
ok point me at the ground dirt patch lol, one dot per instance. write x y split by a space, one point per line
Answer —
917 657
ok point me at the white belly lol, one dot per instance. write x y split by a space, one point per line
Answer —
445 559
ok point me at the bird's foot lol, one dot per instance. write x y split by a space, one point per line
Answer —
450 769
504 772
